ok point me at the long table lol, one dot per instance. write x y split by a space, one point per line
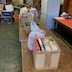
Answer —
27 56
64 22
65 62
64 28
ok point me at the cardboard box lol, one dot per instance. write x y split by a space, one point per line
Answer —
5 19
5 13
6 16
44 60
27 18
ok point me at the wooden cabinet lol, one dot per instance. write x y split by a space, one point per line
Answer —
67 7
70 7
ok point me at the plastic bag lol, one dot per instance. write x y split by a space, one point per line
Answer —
40 33
34 27
32 35
31 40
64 14
34 11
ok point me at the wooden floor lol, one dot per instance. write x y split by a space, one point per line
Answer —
65 63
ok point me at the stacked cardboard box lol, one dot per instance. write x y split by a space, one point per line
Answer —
6 16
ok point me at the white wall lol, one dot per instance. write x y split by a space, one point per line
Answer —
43 10
49 10
44 6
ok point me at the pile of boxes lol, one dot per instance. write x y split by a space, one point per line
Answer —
7 13
6 16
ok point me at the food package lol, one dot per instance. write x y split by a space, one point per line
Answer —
32 35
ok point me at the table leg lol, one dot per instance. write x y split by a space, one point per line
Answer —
54 25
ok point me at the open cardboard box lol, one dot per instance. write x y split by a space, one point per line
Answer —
44 60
